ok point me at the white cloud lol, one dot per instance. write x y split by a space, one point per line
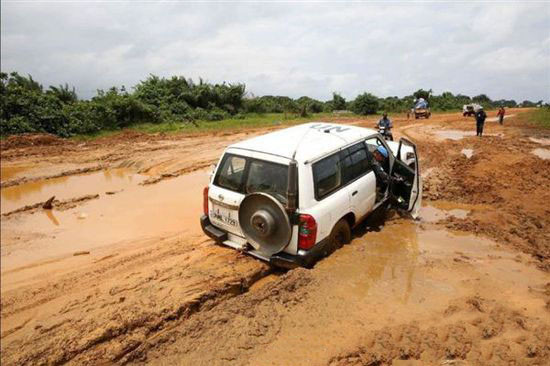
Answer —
289 49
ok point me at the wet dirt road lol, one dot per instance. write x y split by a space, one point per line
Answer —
126 276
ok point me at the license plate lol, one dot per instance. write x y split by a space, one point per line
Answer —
224 215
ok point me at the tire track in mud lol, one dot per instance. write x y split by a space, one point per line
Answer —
103 313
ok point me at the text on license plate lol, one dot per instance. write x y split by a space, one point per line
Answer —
224 215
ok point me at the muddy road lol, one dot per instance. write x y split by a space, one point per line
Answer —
119 271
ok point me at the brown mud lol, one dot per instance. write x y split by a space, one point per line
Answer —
128 276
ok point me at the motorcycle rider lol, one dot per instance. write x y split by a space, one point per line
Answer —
387 124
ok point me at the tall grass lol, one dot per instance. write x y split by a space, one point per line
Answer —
540 117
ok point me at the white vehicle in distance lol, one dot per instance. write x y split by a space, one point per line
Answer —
292 196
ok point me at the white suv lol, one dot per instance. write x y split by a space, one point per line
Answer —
292 196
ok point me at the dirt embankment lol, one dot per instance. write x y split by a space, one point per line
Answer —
150 288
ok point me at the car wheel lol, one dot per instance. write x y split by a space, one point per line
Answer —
340 235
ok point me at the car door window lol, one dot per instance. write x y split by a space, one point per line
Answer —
327 175
355 162
373 143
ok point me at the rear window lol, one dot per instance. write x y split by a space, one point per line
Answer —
327 176
268 177
230 174
247 175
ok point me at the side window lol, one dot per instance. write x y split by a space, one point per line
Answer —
231 173
355 162
327 175
372 143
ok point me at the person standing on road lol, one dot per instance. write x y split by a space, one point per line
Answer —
480 121
500 114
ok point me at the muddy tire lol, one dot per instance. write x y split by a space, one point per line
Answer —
340 235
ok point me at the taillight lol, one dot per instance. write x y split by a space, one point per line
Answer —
307 232
205 200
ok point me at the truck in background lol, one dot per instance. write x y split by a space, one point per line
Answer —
421 109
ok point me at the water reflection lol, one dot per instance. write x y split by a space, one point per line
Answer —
16 193
51 217
67 187
9 172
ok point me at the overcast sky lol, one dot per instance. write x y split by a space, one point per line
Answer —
500 49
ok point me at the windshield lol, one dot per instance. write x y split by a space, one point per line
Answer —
247 175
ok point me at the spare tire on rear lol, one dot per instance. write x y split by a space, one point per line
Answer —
265 223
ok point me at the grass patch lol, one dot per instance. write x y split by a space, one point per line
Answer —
250 121
540 117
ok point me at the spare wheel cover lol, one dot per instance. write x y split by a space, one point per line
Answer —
265 223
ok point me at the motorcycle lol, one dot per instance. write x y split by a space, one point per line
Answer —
382 130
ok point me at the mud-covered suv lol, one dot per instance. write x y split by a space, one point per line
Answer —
292 196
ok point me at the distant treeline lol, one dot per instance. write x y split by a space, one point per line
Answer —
28 107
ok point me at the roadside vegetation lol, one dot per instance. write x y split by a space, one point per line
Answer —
540 117
175 104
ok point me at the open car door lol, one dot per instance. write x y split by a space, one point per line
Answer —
407 188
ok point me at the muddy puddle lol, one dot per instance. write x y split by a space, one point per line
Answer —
10 172
135 212
496 119
390 266
72 186
542 153
542 141
456 135
435 214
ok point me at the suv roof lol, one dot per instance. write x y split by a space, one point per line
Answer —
309 140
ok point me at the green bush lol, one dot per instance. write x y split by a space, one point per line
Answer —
364 104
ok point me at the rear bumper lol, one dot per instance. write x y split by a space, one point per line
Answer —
304 258
218 235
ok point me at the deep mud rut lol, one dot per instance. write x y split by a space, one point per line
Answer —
126 276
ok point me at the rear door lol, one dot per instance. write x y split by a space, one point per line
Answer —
408 189
224 194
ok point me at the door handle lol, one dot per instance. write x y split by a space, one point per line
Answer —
354 193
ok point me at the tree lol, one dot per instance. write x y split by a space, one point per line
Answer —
421 93
482 99
63 93
365 103
338 102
